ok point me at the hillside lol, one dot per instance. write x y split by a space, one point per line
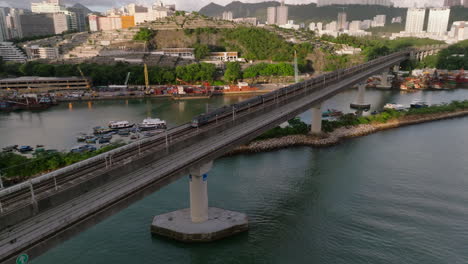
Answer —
307 13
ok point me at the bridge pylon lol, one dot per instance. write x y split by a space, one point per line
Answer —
360 100
199 223
316 122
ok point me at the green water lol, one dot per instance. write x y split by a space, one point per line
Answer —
397 196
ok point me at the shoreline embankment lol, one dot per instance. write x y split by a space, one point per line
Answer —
340 134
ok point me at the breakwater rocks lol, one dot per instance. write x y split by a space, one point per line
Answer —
335 137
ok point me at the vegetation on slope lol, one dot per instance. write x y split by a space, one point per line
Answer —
20 167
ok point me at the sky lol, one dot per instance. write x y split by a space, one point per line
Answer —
102 5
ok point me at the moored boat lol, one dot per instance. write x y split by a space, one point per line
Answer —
418 104
152 124
397 107
332 113
23 149
120 124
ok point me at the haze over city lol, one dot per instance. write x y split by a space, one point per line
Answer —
101 5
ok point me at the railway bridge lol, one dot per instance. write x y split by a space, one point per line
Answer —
43 212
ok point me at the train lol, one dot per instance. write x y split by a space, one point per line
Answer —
312 84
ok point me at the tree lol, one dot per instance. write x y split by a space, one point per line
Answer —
145 34
233 72
201 51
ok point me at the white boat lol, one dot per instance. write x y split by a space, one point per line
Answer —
120 124
397 107
152 123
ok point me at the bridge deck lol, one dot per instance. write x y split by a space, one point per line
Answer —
47 229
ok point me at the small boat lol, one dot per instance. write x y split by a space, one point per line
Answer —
150 134
397 107
23 149
39 150
418 104
81 137
101 130
332 113
10 148
83 148
124 132
152 123
91 140
134 137
120 124
103 140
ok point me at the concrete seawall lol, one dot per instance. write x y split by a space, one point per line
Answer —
340 134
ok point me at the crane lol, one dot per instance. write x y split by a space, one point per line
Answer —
147 87
126 79
82 75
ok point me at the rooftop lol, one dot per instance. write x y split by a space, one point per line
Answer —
40 79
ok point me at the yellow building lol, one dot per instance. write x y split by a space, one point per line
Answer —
128 21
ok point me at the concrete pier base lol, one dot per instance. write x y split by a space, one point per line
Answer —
178 225
360 101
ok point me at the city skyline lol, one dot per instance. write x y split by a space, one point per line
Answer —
102 5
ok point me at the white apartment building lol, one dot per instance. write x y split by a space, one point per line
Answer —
50 6
9 52
227 15
459 31
354 2
282 14
379 21
341 23
415 20
355 25
438 20
36 52
60 23
271 15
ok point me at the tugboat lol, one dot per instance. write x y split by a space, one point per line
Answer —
151 124
120 124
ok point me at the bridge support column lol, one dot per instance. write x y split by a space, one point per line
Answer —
384 84
360 100
316 123
199 223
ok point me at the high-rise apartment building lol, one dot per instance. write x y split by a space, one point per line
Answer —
37 24
465 3
271 15
227 15
13 23
354 2
51 6
3 27
438 20
341 22
459 31
415 20
282 14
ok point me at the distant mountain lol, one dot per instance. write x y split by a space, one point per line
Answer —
80 6
307 13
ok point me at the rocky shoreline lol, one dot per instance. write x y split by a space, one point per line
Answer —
340 134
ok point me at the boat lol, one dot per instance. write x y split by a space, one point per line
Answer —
124 132
103 140
133 137
120 124
418 104
152 123
81 137
101 130
23 149
332 113
83 148
397 107
26 102
10 148
91 140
